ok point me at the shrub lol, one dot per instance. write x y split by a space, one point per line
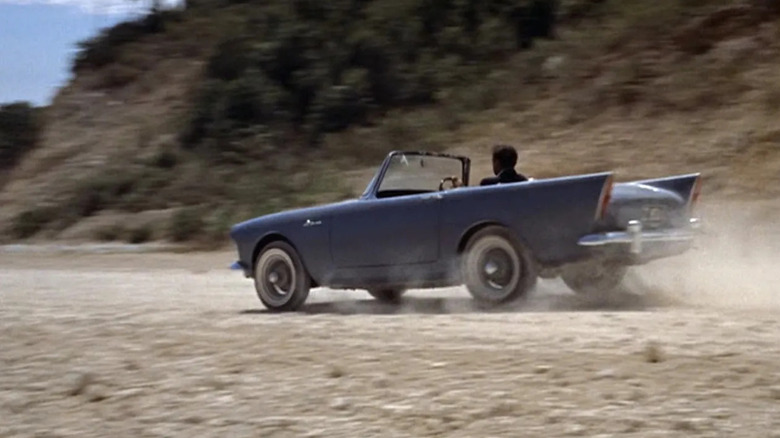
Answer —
118 75
139 234
30 222
109 233
20 129
317 68
185 224
103 49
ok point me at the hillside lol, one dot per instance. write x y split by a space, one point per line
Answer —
191 120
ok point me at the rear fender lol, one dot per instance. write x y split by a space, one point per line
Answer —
549 215
687 186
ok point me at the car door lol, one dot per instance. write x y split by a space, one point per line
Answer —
402 230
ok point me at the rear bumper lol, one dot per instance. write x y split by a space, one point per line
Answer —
641 245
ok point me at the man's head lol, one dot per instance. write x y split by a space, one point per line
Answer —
504 157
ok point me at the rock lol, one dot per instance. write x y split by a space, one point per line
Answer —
16 404
275 422
608 373
576 430
77 383
396 408
653 352
194 419
96 393
721 414
129 393
542 369
553 65
689 424
335 372
633 425
741 369
339 403
637 394
381 382
774 393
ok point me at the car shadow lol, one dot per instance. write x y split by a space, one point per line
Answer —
621 300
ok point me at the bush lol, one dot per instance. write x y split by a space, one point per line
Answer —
103 49
186 224
321 67
109 233
139 234
20 130
30 222
118 75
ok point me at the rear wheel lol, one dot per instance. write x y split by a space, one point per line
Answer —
496 267
595 279
281 281
387 295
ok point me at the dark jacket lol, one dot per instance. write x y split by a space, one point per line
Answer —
505 176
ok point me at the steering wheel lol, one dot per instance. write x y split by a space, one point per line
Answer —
454 180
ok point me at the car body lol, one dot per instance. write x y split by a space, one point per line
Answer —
408 231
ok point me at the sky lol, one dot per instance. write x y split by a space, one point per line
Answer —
38 41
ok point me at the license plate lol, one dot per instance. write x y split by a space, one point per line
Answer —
653 213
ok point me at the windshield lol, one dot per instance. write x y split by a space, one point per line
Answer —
410 174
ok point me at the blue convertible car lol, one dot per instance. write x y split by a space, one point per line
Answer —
420 225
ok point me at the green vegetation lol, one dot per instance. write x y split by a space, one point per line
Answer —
105 48
295 70
140 234
292 92
20 128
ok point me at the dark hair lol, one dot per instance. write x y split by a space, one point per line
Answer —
505 155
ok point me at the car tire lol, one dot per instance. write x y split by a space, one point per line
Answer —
497 268
387 295
281 281
594 279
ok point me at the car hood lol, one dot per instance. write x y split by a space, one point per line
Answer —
275 220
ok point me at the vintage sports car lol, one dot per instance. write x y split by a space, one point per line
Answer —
420 225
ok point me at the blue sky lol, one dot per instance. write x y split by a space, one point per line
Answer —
38 40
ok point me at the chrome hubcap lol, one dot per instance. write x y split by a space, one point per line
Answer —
276 280
497 268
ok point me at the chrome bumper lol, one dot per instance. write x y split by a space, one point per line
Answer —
635 237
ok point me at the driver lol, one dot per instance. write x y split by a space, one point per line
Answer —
504 161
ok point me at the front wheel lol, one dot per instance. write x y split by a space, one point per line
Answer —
497 268
281 281
595 279
387 295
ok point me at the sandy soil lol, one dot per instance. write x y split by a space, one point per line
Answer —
177 345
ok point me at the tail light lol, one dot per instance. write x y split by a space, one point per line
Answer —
606 196
695 193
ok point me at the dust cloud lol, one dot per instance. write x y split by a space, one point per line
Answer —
734 264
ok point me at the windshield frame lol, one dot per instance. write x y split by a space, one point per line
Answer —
376 181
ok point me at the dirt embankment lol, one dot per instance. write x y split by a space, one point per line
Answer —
644 89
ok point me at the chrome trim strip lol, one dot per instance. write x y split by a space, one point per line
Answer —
635 237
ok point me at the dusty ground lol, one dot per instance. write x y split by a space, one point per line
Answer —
177 345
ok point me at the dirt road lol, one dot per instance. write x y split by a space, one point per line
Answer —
159 345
